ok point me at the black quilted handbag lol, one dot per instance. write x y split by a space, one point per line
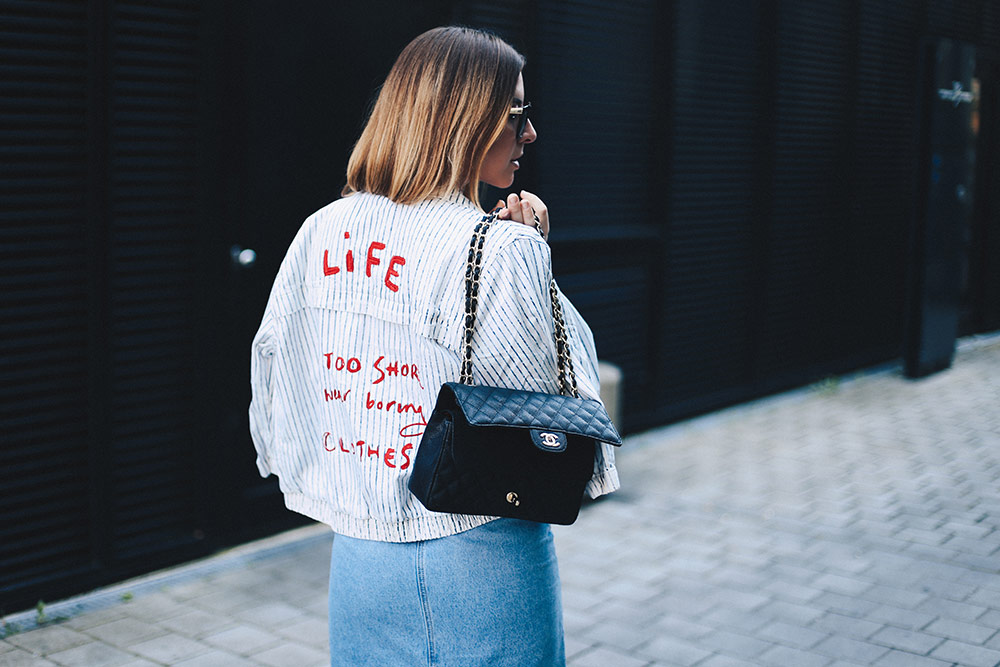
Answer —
505 452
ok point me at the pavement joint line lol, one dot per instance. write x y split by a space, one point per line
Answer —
225 560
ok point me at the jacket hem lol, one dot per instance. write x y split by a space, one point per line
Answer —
603 483
415 529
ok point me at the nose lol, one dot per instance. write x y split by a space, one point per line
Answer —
529 133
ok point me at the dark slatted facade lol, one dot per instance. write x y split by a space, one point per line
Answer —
101 234
48 276
153 235
710 212
736 191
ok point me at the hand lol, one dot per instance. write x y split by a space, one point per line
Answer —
528 209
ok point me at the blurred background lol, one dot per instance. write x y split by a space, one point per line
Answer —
746 197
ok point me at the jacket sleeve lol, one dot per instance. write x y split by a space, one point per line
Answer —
513 345
262 391
605 479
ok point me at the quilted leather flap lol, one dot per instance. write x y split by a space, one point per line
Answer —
497 406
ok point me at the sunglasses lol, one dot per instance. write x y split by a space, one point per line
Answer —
520 114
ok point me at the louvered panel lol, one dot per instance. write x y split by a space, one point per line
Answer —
37 376
157 400
959 19
27 465
709 220
506 19
614 300
590 78
814 74
595 110
44 274
39 532
991 27
154 153
881 204
41 556
592 68
27 426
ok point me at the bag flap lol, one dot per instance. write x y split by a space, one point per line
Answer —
497 406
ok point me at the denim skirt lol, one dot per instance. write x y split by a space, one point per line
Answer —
486 596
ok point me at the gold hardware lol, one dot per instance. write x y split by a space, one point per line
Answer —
512 499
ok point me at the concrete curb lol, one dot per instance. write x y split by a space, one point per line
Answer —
223 561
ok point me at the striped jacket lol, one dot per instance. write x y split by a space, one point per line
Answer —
364 324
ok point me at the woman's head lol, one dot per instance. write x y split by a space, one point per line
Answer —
444 104
501 160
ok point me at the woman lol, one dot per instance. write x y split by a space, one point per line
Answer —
364 324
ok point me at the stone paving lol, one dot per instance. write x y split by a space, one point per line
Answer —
856 522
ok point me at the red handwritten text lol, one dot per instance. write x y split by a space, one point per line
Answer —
371 260
336 394
414 430
395 369
351 365
365 451
398 406
383 369
334 270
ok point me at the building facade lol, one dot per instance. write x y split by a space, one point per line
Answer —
746 197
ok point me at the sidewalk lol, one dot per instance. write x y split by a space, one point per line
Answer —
852 523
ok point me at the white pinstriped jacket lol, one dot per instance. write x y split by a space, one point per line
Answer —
364 324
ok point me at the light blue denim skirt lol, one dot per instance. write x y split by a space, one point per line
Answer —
487 596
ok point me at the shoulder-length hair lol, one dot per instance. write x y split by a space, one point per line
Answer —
442 106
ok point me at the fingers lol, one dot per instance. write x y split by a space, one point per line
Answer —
511 209
528 209
539 209
514 206
503 213
527 214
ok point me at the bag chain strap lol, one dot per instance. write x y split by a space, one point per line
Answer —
567 376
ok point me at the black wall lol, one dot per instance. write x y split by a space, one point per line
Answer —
734 189
100 316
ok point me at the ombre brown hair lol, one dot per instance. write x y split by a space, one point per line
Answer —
444 103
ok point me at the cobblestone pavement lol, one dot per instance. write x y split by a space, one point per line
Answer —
853 523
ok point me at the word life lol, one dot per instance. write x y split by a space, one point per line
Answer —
371 260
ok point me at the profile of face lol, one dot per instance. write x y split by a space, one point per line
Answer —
501 159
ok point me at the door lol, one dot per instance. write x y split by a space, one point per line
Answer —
294 104
981 275
944 222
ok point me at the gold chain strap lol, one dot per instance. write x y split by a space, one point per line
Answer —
567 376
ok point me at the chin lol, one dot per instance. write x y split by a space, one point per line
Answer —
501 183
